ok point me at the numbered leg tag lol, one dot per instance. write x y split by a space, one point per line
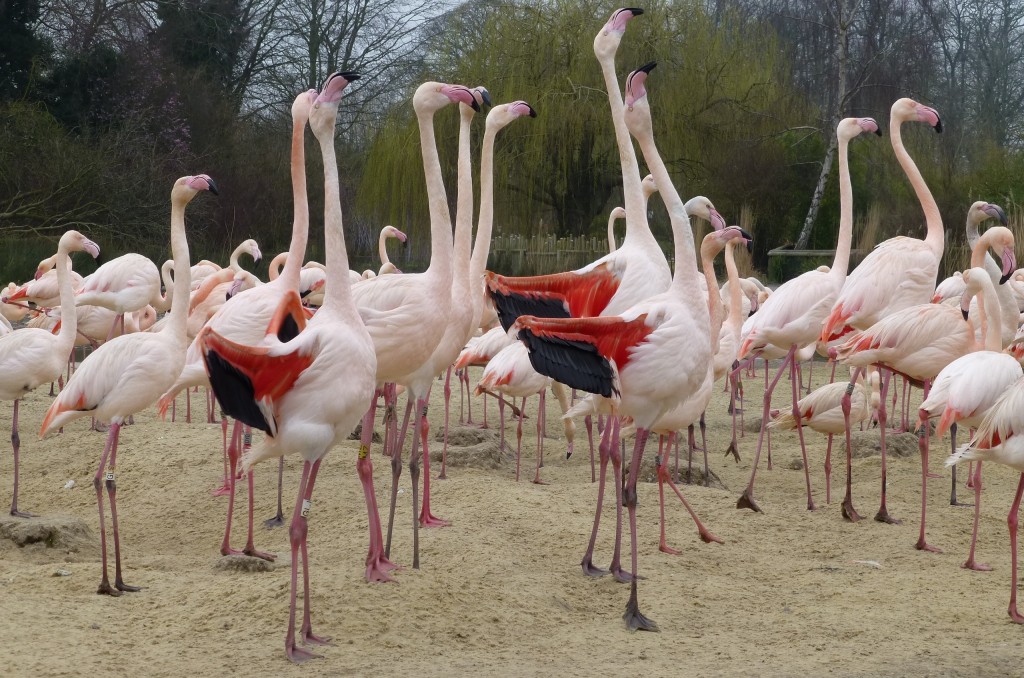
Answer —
306 505
424 411
247 439
364 451
109 476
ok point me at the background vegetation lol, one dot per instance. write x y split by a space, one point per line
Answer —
104 104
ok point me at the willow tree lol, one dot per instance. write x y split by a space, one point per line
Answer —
716 86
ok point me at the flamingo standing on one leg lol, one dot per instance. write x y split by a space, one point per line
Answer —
310 392
30 356
128 373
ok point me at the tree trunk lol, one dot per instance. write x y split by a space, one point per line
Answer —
819 190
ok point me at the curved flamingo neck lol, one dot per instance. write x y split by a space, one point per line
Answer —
841 262
338 294
464 204
485 223
233 259
162 302
274 270
935 239
440 218
611 234
991 317
735 293
715 309
182 271
382 249
209 283
300 207
637 229
66 335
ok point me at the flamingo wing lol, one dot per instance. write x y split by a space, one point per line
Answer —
576 294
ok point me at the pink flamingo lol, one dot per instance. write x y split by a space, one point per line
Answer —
124 285
999 439
310 392
791 317
205 267
30 357
653 356
128 374
43 290
967 388
386 267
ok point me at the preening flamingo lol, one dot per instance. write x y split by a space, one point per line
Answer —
310 392
205 267
965 390
128 374
12 313
791 317
653 356
386 267
30 356
950 288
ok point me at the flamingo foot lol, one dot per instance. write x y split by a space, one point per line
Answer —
849 513
922 545
592 570
883 517
121 586
378 570
746 501
734 451
429 520
263 555
310 638
935 475
106 589
1015 616
977 567
100 428
228 551
221 491
811 506
298 655
636 621
707 536
957 502
22 514
538 481
276 521
665 548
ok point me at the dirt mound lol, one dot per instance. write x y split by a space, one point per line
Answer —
473 447
56 532
869 444
245 564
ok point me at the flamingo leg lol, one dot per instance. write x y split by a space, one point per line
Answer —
733 449
447 409
427 519
469 400
952 495
705 534
746 499
297 536
797 385
16 445
828 471
832 377
97 481
414 478
970 564
250 548
278 519
188 405
225 487
396 472
519 435
616 566
233 454
921 544
541 426
704 445
1011 522
661 462
588 421
690 444
883 513
849 513
501 426
604 453
378 566
484 405
635 621
111 484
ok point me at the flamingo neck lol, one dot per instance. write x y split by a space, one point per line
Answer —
300 207
979 249
715 309
485 222
382 249
991 316
611 234
338 293
182 271
464 204
735 293
274 271
162 302
440 218
935 239
638 231
841 262
68 314
233 259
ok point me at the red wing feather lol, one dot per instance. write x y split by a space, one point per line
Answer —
289 308
612 336
586 294
271 376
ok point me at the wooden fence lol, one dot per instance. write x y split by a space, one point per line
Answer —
541 254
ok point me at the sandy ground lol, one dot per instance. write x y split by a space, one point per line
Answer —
791 592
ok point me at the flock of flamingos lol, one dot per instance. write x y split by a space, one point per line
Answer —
647 343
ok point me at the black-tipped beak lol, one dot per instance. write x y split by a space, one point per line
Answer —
635 10
474 104
878 131
938 125
1000 214
213 186
1004 277
351 76
533 112
648 67
486 96
963 311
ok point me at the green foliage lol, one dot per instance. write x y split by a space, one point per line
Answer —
20 46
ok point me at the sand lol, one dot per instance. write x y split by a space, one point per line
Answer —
790 592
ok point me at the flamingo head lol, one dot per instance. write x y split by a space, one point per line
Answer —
699 206
73 241
730 233
433 96
300 107
392 232
188 187
635 89
908 109
606 43
503 114
481 96
253 249
637 115
617 213
848 128
333 86
649 186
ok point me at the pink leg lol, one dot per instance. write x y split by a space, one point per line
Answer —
952 493
662 464
588 421
16 445
604 453
970 473
921 544
746 499
233 452
469 399
800 430
297 536
541 421
828 471
427 519
378 566
734 448
484 405
616 566
970 564
414 478
1011 522
501 426
250 548
225 487
883 513
705 534
443 475
97 482
188 405
278 519
848 511
519 435
635 621
111 484
397 443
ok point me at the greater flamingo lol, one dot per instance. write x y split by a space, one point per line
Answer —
386 267
30 356
128 374
310 392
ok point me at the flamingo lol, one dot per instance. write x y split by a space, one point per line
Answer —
406 316
386 267
965 390
654 356
124 284
615 215
128 374
950 288
918 342
12 313
635 271
248 316
310 392
998 439
979 212
43 290
30 356
729 338
205 267
791 317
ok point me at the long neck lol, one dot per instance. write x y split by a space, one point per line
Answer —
841 262
300 209
715 309
935 238
979 249
440 217
233 259
68 314
735 292
482 245
162 302
464 205
274 271
991 316
182 273
637 229
611 234
382 248
338 295
685 276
